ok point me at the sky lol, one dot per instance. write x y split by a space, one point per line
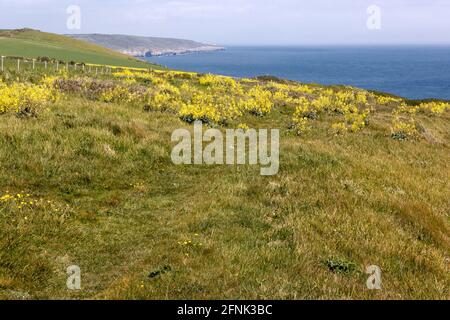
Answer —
244 22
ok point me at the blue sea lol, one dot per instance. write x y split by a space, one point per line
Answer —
415 72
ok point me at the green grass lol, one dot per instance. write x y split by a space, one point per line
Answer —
338 205
33 44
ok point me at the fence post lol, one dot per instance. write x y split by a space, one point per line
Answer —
45 64
57 65
2 63
18 64
67 66
34 63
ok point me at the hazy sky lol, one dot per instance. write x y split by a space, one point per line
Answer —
294 22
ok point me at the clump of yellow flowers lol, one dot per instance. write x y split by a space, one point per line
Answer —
122 94
404 122
404 129
131 77
162 101
210 108
357 121
25 202
339 128
404 125
202 107
27 98
345 104
435 107
219 82
259 101
385 100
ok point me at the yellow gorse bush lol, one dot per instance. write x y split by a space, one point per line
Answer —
117 94
357 121
221 84
26 97
165 97
162 101
202 107
303 89
130 76
403 129
322 103
281 98
349 105
404 124
435 107
211 108
403 108
339 128
383 100
300 118
302 107
259 101
210 80
9 98
300 124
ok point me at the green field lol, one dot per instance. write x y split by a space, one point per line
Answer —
28 43
91 183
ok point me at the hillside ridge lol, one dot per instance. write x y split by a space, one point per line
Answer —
29 43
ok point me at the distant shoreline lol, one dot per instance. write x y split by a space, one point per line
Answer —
181 52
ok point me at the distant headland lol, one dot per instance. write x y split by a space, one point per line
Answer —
146 46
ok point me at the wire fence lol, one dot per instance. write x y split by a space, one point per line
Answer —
8 63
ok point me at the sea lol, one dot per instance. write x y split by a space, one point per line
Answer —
414 72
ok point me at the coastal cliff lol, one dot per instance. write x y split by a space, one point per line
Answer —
147 46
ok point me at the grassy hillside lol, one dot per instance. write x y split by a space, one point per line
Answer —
32 44
88 180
